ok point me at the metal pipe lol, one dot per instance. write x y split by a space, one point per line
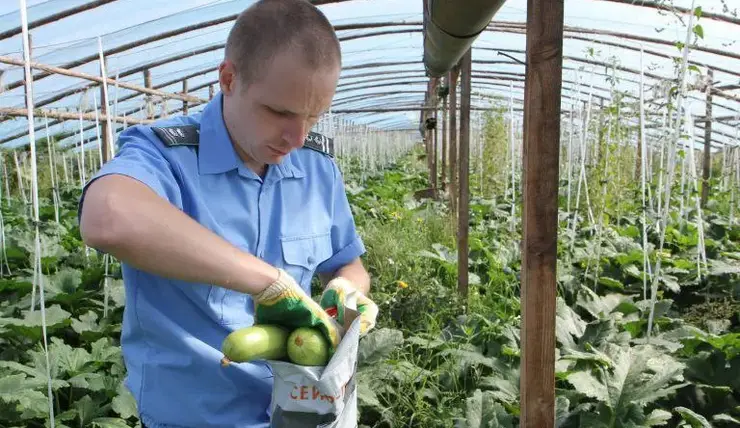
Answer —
450 28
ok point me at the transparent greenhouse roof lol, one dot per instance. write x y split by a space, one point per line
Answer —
184 39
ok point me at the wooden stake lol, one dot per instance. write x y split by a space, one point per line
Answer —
463 204
540 213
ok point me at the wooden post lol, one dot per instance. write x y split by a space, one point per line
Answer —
443 179
148 84
185 92
453 139
707 142
211 92
463 204
435 153
433 137
105 147
542 98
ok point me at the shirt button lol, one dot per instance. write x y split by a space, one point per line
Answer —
310 259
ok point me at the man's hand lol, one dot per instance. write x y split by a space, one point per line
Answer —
285 303
335 296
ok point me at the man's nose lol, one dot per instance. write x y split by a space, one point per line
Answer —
296 131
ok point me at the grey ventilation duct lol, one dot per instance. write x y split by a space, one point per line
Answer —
450 28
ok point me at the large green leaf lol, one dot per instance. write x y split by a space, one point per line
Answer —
658 417
568 324
599 306
29 324
16 389
109 423
124 403
638 376
377 345
482 411
723 418
693 419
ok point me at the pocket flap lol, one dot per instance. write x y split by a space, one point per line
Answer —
306 250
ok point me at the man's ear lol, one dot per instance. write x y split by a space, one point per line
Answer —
227 76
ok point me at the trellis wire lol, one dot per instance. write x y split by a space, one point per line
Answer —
19 172
737 180
671 167
4 254
66 171
106 100
37 252
700 250
6 177
512 154
54 193
643 167
582 168
97 129
600 224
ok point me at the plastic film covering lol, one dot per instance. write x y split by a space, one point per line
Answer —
382 64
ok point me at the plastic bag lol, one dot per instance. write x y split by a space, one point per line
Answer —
319 396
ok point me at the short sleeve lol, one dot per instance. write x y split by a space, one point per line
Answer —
140 158
346 242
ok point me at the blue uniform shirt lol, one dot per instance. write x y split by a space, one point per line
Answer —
297 218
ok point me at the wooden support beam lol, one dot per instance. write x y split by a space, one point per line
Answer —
542 110
63 115
707 143
71 73
464 182
190 28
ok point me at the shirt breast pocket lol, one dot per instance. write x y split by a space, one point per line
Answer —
303 253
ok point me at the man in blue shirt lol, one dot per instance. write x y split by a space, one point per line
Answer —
221 219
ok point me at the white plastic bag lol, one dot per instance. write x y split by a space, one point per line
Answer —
319 397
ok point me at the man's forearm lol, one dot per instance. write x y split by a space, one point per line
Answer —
129 221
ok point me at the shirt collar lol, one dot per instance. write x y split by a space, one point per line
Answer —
217 154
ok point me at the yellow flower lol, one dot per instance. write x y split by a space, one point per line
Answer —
402 284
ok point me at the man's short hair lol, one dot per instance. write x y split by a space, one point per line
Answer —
269 27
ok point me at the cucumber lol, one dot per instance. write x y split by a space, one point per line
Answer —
258 342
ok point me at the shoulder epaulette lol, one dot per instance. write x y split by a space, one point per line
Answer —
182 135
319 142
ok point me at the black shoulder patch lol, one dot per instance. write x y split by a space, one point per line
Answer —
184 135
319 142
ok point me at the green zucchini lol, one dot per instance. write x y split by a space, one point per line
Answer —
258 342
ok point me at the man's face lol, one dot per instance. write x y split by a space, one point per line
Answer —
272 115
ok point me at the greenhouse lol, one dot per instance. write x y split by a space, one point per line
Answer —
548 195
